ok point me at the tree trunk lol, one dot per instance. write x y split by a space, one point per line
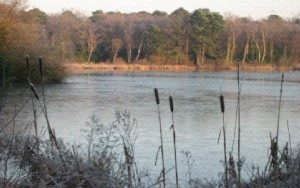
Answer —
129 53
179 58
115 55
187 50
44 35
246 50
228 51
233 48
139 50
198 58
271 50
91 52
116 44
292 53
285 48
264 46
203 55
258 49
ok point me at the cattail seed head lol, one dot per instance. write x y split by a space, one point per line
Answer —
171 103
41 65
34 91
222 103
156 95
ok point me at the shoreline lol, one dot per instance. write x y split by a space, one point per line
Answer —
73 68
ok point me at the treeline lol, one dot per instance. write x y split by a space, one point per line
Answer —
198 37
25 33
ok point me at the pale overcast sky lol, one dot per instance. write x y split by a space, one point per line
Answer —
253 8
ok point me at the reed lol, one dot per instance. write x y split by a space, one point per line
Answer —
51 134
161 136
174 138
41 67
44 108
32 88
51 131
222 104
224 137
43 84
156 96
239 164
235 122
277 134
279 108
32 100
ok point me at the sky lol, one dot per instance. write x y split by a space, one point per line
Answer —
249 8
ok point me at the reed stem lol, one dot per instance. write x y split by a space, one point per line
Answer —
277 134
44 109
225 155
43 92
32 99
279 109
174 139
239 127
161 136
34 119
224 136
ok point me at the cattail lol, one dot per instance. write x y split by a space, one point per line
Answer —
27 64
171 103
34 91
282 76
224 136
161 137
41 65
174 139
222 103
156 96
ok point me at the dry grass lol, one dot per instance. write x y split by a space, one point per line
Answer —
74 67
83 67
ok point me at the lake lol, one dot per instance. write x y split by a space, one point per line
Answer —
197 113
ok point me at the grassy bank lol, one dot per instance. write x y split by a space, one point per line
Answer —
73 67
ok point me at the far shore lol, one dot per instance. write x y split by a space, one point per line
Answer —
74 67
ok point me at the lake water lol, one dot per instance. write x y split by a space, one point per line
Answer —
197 113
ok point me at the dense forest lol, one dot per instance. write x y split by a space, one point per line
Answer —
201 36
